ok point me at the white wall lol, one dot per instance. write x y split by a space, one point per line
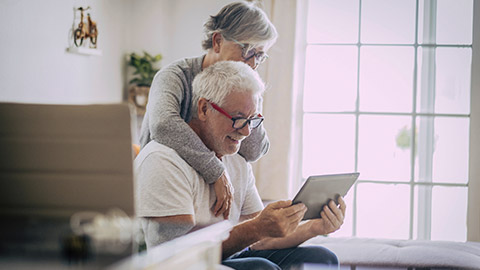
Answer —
36 68
173 28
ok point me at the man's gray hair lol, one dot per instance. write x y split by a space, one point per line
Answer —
242 21
217 81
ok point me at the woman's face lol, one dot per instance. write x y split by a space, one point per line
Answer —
234 51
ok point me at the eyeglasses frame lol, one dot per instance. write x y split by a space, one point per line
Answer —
248 121
258 55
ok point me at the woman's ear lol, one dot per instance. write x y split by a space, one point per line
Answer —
217 41
202 109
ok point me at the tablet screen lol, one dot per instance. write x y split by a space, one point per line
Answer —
318 190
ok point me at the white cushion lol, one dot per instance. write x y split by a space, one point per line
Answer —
403 253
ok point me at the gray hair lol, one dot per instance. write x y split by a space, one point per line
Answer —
242 21
219 80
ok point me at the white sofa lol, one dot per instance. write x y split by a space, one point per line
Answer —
365 253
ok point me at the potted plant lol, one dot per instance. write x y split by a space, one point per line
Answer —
145 70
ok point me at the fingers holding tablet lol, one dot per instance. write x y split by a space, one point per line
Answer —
334 214
342 204
280 218
318 190
330 219
338 208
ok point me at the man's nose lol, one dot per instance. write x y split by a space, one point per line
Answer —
245 131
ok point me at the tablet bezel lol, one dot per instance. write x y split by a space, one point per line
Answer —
318 190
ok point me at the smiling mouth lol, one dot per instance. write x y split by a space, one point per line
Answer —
236 140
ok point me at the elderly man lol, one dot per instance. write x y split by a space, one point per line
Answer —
172 197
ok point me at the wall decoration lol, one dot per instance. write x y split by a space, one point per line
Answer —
84 33
85 30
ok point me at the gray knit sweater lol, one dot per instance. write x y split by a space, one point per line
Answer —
169 111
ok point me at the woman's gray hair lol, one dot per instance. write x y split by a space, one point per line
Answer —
219 80
242 21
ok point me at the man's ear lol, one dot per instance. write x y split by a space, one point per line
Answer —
217 41
202 109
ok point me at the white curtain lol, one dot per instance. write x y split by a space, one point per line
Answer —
275 171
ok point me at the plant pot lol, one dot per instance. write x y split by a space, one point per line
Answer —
138 97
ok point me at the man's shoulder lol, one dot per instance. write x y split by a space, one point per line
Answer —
160 153
154 147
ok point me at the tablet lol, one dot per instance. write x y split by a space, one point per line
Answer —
318 190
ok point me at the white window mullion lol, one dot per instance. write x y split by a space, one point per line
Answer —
426 126
357 110
414 131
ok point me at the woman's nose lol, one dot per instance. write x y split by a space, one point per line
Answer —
252 62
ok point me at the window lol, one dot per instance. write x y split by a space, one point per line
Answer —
387 93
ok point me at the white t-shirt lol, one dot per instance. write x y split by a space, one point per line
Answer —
166 186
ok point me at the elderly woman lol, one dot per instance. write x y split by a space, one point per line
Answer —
239 32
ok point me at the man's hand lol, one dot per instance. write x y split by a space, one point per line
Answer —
280 218
224 193
332 217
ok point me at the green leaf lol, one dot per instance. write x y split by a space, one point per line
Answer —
144 69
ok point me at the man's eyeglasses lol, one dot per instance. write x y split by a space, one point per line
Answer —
247 54
240 122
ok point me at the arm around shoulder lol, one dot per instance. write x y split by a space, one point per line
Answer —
167 115
256 145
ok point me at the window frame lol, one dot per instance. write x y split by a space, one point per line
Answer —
473 184
473 212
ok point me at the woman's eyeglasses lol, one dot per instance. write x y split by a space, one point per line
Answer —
247 54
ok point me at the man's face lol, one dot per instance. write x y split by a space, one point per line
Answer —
219 135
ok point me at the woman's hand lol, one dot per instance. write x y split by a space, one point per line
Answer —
224 194
332 217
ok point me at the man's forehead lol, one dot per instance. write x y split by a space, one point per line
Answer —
244 103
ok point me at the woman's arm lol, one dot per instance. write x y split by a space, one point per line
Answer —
256 145
167 99
167 110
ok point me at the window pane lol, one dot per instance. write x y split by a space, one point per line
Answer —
383 210
454 22
332 21
384 148
450 159
388 21
386 79
448 162
452 80
330 78
453 72
449 213
328 144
